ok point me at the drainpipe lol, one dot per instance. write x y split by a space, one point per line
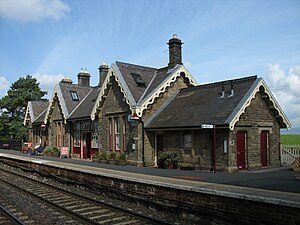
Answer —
143 142
215 148
137 118
71 132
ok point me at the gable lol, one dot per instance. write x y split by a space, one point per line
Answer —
35 111
140 98
68 96
259 87
257 113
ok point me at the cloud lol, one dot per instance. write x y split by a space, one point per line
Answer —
4 85
286 88
33 10
48 81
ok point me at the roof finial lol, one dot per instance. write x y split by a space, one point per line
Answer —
174 35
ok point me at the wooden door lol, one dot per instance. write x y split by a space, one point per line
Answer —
264 136
241 150
86 141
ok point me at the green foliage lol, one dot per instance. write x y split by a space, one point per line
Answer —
103 156
122 157
23 90
290 139
96 155
168 159
13 107
112 156
52 151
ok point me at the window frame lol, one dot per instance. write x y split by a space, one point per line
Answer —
74 95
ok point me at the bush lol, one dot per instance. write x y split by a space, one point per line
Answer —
112 156
168 159
122 157
103 156
52 151
96 156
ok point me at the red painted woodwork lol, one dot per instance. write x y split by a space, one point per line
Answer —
86 144
241 150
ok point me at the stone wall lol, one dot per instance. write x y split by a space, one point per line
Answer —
201 153
257 118
150 136
114 106
189 205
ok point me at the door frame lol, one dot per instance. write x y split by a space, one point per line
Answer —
264 148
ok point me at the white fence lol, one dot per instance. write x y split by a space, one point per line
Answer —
289 153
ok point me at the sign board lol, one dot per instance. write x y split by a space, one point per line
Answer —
64 151
207 126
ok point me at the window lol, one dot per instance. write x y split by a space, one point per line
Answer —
187 144
138 80
74 95
95 135
117 134
123 132
77 135
59 133
110 134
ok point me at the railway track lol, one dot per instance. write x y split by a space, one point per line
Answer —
7 218
71 207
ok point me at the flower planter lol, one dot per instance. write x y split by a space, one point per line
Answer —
112 162
103 161
121 163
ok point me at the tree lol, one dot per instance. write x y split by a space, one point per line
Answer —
23 90
13 106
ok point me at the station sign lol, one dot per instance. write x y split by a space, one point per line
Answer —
207 126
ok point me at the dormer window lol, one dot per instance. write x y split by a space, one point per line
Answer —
138 80
74 95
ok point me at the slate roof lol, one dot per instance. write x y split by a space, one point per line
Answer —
202 104
38 108
146 73
35 112
66 88
83 110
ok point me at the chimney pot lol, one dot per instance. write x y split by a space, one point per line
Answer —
84 78
175 56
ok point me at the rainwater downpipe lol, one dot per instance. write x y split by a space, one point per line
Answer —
143 142
215 144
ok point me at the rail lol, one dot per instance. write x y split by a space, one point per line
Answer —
59 198
11 217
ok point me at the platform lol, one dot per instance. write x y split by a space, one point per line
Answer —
232 185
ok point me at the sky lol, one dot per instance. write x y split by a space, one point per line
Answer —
52 39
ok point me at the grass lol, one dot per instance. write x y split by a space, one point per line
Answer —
290 139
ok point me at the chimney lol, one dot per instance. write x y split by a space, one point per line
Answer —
175 56
223 91
66 80
84 78
103 70
231 90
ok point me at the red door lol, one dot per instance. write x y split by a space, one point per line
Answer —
86 142
264 148
241 149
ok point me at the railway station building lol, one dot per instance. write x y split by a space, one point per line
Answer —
140 111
